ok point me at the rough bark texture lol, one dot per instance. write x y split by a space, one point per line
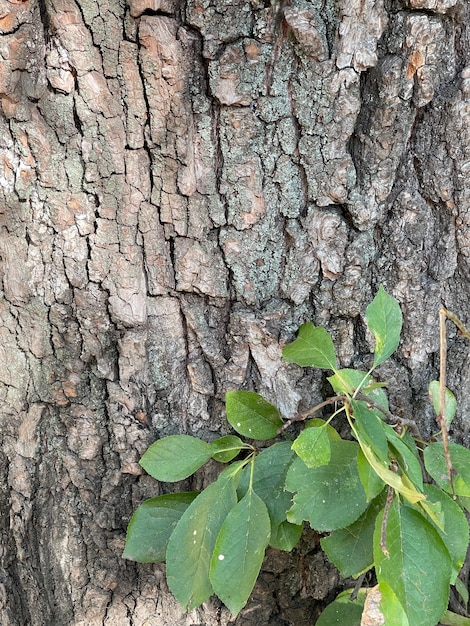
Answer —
183 182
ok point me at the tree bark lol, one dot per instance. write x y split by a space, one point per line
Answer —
184 182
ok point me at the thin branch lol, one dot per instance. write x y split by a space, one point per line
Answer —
453 318
301 417
393 419
357 586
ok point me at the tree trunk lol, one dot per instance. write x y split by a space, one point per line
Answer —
184 182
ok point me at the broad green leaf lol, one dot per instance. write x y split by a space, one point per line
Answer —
384 319
416 565
370 480
313 446
225 449
370 429
343 611
433 510
400 483
312 348
269 479
351 548
251 415
239 551
285 536
450 403
151 525
330 496
435 463
317 422
406 457
462 589
391 608
192 542
455 534
176 457
348 381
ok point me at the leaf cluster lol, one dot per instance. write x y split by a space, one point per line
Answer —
369 496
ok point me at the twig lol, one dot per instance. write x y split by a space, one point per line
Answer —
301 417
357 586
453 318
394 419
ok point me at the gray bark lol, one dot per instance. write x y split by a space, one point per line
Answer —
182 183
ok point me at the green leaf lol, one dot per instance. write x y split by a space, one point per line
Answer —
450 403
251 415
330 496
452 619
285 536
406 457
435 463
417 566
151 525
370 480
351 548
176 457
269 479
402 484
462 589
348 381
192 542
343 611
385 320
225 449
370 429
391 608
455 534
313 446
312 348
317 422
239 551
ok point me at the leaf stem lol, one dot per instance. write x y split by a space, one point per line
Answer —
252 471
366 376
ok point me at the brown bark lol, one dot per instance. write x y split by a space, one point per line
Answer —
182 184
